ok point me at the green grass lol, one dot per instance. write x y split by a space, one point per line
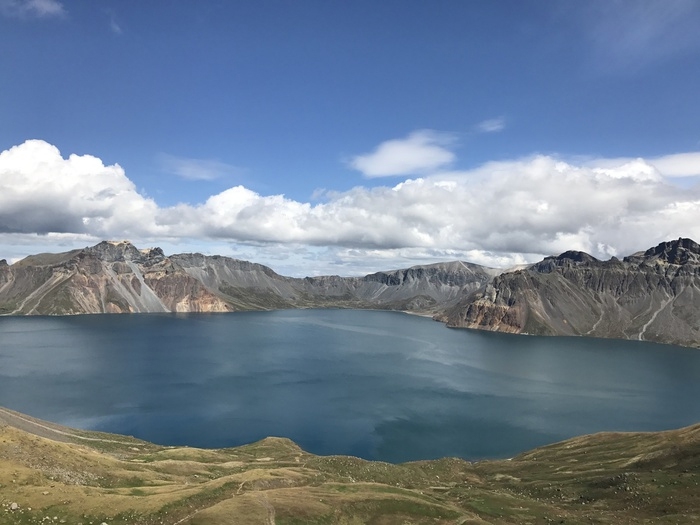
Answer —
606 479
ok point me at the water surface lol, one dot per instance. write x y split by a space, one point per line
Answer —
379 385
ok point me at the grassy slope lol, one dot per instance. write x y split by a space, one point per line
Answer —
86 477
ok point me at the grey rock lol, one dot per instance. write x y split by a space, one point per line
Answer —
652 295
116 277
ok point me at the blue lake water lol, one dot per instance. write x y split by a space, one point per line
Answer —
379 385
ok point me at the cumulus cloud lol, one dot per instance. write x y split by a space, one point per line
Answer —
678 165
195 169
675 165
422 151
41 192
500 214
32 8
493 125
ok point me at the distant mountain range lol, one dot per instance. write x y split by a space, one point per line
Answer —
652 295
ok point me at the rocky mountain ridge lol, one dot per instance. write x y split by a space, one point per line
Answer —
116 277
650 295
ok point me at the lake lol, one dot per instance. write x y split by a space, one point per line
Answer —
379 385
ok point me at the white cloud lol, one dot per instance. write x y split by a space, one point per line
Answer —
672 166
492 125
195 169
41 192
678 165
32 8
500 214
420 152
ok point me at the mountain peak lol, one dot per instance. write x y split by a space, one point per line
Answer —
678 252
568 259
576 257
112 251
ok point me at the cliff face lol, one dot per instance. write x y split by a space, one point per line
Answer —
652 295
111 277
116 277
428 288
4 272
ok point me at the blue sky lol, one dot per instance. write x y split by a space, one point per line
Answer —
347 137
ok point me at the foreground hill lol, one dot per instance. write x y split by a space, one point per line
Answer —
56 474
652 295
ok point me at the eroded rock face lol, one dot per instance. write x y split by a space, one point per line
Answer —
678 252
111 277
652 295
426 289
116 277
4 272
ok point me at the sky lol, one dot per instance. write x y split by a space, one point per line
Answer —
327 137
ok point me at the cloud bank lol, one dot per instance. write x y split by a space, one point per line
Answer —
41 192
500 213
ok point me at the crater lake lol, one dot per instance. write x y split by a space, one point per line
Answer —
374 384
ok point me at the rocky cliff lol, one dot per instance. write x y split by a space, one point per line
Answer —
427 289
652 295
116 277
111 277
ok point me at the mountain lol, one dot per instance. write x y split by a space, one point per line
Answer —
116 277
55 474
107 278
652 295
